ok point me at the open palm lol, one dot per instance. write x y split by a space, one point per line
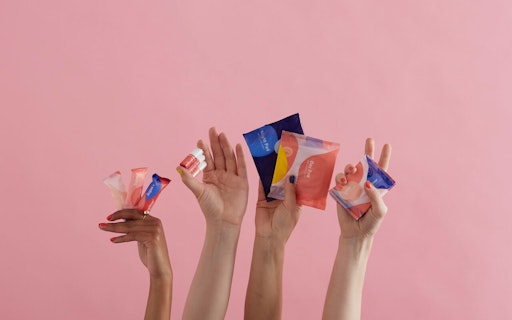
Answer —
223 193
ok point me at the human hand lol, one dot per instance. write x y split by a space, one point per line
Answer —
368 224
223 193
276 219
149 234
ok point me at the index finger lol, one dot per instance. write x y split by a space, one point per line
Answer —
127 214
385 156
369 147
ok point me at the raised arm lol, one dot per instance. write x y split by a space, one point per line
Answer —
222 197
149 234
344 295
275 222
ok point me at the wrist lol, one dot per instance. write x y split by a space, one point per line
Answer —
162 279
225 222
274 246
222 236
223 227
358 247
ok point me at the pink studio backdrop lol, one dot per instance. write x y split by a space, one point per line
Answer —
90 87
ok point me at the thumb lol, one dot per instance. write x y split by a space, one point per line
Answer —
379 207
290 195
192 183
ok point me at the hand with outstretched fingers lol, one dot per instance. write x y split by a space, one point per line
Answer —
223 193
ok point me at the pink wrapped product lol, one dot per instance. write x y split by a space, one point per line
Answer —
116 186
311 161
135 187
134 199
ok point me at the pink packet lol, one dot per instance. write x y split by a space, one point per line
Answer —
311 161
352 195
117 188
144 203
135 187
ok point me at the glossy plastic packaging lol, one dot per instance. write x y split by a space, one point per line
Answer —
135 200
311 161
264 145
116 186
152 192
352 195
135 187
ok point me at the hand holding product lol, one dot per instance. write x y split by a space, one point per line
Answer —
367 224
351 195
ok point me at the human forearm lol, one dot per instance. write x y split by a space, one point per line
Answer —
159 299
264 292
210 289
344 295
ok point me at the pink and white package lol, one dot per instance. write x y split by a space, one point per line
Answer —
134 198
352 196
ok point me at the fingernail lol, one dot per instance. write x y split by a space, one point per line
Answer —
113 239
343 180
368 184
351 168
292 179
180 171
109 217
102 225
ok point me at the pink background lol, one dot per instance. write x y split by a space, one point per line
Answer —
90 87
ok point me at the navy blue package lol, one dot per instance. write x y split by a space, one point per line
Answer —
264 144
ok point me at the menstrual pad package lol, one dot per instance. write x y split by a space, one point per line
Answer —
134 198
264 145
352 195
311 161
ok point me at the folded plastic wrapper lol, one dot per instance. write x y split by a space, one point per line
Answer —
311 161
352 195
134 198
264 143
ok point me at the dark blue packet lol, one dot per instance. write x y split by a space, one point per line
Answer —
264 144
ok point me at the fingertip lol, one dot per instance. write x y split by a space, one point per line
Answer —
184 173
213 131
350 169
372 193
290 193
239 148
370 190
369 147
190 181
